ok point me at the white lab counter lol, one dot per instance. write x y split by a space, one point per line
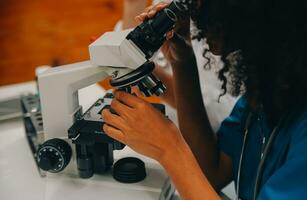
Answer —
19 178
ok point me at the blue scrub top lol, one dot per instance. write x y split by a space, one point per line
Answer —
285 170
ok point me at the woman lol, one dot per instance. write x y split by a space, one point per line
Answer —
209 82
262 144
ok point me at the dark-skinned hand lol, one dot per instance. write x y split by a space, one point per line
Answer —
141 126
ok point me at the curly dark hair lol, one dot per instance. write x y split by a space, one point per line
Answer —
264 49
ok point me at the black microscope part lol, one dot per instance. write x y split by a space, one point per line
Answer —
94 148
85 167
133 77
143 78
129 170
96 158
54 155
150 35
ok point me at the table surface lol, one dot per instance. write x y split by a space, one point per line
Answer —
19 177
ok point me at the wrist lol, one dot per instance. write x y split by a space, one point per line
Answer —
180 163
175 154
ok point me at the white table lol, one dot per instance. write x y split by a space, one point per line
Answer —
19 178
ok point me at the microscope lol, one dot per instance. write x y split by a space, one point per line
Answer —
57 128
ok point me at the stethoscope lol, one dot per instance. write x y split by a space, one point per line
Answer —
264 154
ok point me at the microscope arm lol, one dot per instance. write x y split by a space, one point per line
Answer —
58 90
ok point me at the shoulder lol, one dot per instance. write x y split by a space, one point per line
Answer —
238 113
230 132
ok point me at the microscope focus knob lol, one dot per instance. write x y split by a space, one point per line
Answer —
54 155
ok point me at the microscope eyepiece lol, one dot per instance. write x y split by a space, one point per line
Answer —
150 35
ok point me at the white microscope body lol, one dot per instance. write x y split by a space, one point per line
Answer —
111 55
124 56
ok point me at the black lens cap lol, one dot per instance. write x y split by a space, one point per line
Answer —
129 170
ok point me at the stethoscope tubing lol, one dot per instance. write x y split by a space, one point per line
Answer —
263 157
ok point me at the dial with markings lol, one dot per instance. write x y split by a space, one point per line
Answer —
54 155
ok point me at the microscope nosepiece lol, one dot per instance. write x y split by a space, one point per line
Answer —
143 78
150 85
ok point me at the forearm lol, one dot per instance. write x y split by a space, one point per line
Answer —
186 174
193 121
